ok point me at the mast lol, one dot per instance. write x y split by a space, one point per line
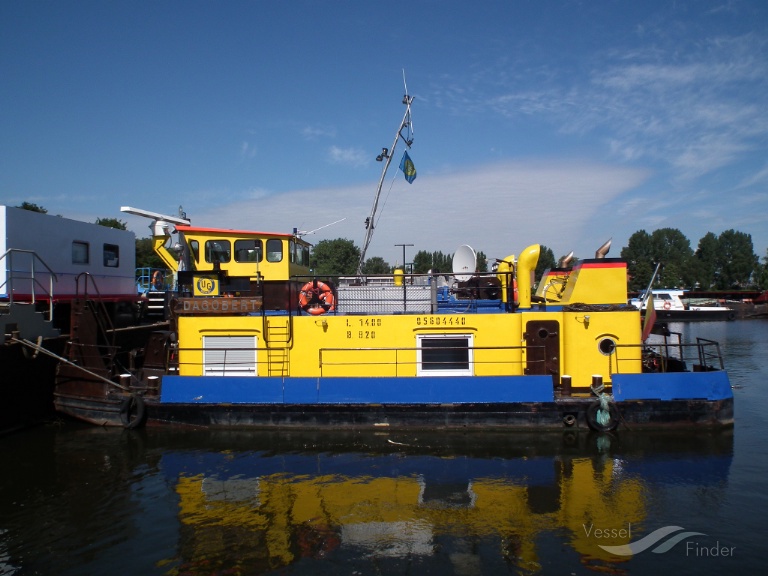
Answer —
386 155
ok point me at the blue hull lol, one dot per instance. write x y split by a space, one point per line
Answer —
671 400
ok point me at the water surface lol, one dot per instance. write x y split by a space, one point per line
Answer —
82 500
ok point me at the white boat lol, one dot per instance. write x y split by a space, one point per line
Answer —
670 304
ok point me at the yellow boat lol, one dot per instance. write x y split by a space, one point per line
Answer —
256 340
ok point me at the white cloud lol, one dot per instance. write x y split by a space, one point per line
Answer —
247 151
349 156
499 209
317 132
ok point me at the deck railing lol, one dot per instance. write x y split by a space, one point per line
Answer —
399 359
674 356
703 355
31 274
384 362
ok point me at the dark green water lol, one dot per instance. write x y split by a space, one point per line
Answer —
80 500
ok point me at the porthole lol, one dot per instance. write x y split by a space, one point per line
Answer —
607 346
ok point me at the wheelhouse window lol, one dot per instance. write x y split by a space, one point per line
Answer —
229 355
80 252
111 255
299 253
248 251
218 251
274 250
194 249
444 355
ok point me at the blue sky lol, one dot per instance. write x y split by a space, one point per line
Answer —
564 123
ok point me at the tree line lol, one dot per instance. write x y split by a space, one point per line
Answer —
720 262
724 262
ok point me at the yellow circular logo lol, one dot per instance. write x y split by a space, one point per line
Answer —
206 285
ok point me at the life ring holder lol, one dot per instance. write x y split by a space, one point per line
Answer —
667 305
132 412
596 414
316 298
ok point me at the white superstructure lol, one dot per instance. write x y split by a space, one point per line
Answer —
39 250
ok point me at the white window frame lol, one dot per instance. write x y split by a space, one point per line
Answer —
219 358
468 371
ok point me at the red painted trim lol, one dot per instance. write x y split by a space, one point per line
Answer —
602 265
228 232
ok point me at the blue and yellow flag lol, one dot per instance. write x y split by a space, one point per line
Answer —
406 165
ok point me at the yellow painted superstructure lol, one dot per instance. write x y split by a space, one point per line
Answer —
518 338
600 281
255 255
386 345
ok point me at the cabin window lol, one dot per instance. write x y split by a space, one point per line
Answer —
444 355
194 249
111 255
218 251
299 254
248 251
229 355
80 253
274 250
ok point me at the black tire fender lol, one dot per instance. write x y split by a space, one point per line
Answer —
133 412
591 415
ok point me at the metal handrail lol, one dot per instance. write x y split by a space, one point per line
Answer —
12 275
704 345
416 349
103 319
399 361
706 352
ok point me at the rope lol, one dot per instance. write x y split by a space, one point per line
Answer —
384 205
62 359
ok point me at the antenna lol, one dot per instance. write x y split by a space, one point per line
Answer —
156 216
300 233
160 224
406 97
386 155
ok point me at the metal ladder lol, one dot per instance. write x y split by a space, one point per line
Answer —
278 336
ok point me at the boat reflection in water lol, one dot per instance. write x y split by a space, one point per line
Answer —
456 503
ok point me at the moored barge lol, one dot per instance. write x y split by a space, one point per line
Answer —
255 340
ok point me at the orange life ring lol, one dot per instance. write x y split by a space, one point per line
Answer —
316 298
157 280
667 305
